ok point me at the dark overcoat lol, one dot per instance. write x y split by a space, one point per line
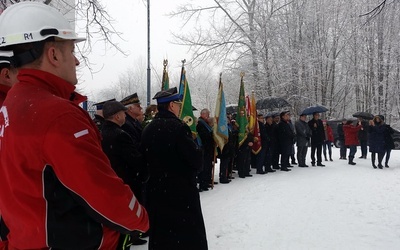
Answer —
173 159
125 159
318 133
376 139
389 142
134 128
285 137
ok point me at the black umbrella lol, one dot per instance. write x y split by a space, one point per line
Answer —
314 109
231 108
364 115
272 103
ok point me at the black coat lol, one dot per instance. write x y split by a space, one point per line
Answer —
340 132
318 133
125 159
134 128
264 135
173 159
285 137
206 136
272 132
389 142
98 120
230 147
363 133
376 138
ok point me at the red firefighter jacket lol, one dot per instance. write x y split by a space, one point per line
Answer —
57 187
351 135
3 93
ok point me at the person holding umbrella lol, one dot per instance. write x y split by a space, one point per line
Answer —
317 139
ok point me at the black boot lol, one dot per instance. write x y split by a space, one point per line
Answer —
386 165
373 165
270 170
351 162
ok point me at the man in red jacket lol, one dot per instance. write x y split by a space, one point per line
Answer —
57 187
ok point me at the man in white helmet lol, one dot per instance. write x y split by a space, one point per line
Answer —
57 188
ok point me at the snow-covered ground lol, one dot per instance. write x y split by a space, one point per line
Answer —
336 207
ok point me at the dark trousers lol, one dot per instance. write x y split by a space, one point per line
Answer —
301 155
388 151
343 149
292 155
380 158
260 159
363 145
318 148
285 160
352 153
223 168
268 158
243 161
275 157
327 144
230 165
205 174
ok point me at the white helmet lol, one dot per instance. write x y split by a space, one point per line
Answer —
6 56
28 22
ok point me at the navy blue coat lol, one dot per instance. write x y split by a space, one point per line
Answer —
376 139
285 137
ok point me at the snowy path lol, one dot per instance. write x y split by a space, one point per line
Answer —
336 207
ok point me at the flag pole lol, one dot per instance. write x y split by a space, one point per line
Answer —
215 145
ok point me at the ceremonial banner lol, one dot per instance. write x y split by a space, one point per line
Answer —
220 129
186 113
241 118
165 78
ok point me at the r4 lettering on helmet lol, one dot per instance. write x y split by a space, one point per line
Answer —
28 36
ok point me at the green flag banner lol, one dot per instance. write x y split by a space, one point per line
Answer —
241 118
186 113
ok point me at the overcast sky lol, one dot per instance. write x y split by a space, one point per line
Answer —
131 18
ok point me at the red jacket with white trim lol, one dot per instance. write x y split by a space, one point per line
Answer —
57 188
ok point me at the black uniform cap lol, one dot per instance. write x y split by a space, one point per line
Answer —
99 105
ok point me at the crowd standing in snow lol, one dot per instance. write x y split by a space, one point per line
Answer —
72 183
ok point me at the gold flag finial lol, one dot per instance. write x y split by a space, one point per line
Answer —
241 74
